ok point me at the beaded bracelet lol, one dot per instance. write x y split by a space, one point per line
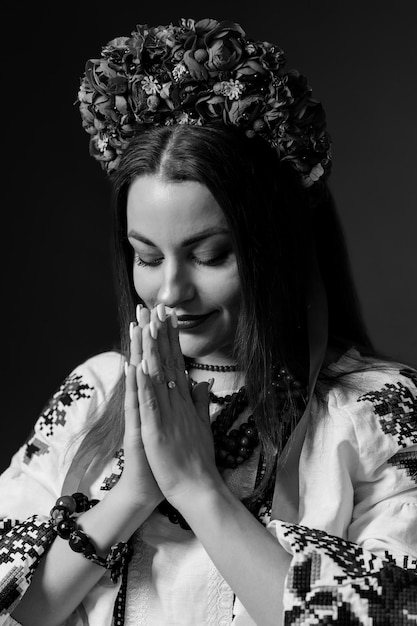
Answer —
65 525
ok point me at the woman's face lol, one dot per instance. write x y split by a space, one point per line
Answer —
183 258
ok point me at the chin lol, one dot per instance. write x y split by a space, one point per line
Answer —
198 348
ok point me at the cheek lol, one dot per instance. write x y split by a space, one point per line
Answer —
144 286
228 294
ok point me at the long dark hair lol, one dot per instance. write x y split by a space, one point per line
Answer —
275 227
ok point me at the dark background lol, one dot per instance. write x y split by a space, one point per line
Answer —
58 300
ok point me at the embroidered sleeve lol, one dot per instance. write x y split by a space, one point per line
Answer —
334 581
28 489
385 511
33 481
22 545
370 575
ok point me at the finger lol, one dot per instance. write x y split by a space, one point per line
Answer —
135 332
142 315
201 397
148 402
131 407
159 320
156 370
183 383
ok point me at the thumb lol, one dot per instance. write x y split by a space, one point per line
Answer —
200 394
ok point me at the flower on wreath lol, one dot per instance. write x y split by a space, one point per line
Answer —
179 70
224 46
232 89
150 85
195 73
245 111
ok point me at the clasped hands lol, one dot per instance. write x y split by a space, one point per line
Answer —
168 443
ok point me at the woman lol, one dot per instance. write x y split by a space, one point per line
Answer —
254 456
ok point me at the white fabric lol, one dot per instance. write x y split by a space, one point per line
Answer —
168 557
347 488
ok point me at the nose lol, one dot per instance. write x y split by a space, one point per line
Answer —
176 285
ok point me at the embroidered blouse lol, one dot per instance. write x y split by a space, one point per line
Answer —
353 539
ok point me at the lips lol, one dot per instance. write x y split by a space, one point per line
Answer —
186 318
191 321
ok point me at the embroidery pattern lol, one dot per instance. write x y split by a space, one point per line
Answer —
33 447
6 524
406 461
54 414
396 407
138 590
220 599
111 480
22 545
333 581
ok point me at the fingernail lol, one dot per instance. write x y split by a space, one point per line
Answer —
174 319
126 368
161 312
145 368
131 327
210 384
153 330
138 310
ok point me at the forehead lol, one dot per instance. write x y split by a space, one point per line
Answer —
171 209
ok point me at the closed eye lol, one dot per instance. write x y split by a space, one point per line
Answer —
218 260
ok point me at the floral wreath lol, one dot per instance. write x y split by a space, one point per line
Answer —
196 73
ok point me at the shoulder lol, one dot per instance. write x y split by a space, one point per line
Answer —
358 464
92 381
71 410
81 395
378 402
361 375
101 371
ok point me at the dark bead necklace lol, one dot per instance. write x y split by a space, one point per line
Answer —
220 399
234 447
211 368
231 448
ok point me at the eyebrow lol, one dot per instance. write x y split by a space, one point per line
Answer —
204 234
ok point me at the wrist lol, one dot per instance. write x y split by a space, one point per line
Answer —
115 518
142 505
204 501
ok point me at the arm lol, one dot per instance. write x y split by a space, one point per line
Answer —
64 577
179 448
334 581
30 486
372 572
249 558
